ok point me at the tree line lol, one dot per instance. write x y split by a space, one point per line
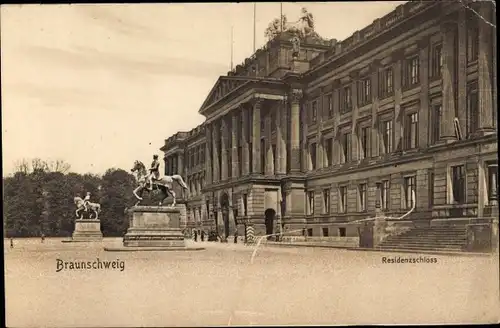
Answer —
39 199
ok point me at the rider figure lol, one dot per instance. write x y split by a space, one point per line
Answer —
154 171
86 200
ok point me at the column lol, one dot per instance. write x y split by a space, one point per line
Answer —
355 114
295 98
256 136
269 149
305 147
245 120
235 143
180 165
423 113
485 63
397 59
374 140
462 70
215 153
447 128
280 141
224 148
208 154
336 119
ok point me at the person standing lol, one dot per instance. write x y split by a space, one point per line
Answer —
195 235
11 242
154 171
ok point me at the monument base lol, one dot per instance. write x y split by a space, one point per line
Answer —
153 228
86 230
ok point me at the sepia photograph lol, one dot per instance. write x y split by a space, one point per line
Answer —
250 164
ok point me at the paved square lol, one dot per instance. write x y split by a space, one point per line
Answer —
218 286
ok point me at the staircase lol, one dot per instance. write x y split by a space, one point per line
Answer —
441 238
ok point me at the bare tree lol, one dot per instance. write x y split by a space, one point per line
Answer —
58 165
22 166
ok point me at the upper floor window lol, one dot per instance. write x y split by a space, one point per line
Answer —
362 197
345 99
310 202
472 110
328 146
346 148
386 130
411 131
314 112
364 91
472 42
437 60
312 152
411 76
409 186
343 199
386 83
364 142
435 122
329 105
458 184
326 201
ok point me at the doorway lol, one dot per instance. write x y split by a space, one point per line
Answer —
270 214
224 204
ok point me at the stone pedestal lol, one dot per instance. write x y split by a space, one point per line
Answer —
87 230
154 226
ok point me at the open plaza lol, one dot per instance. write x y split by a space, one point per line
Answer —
219 286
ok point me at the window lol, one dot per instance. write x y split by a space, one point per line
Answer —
312 154
314 112
240 160
364 143
346 148
362 197
309 232
263 156
386 83
383 194
345 99
411 72
273 120
329 105
343 199
273 149
386 132
436 122
492 183
411 131
458 184
250 156
364 92
342 232
328 145
409 191
325 232
437 60
202 154
472 42
326 201
245 204
472 110
310 202
430 182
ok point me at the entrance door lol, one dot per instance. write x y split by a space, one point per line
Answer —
224 203
269 220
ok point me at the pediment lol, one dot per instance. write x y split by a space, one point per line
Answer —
224 86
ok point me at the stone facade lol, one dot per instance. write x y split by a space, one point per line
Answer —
350 129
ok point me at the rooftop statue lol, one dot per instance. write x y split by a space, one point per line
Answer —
303 28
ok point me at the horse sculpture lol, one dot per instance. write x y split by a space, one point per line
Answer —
164 184
79 202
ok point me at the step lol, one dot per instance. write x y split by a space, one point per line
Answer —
426 240
421 248
424 245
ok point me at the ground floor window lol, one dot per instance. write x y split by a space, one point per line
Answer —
409 191
492 184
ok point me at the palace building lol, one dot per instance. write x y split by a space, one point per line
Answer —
322 133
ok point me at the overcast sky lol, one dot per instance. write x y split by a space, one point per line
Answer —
103 85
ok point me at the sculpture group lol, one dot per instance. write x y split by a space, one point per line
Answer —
86 205
152 181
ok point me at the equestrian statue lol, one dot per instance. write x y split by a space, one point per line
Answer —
86 205
152 180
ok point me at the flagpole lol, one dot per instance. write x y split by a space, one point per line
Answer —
254 20
281 16
232 47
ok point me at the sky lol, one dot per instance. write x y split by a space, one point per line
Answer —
100 86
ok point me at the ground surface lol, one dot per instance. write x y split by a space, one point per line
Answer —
218 286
